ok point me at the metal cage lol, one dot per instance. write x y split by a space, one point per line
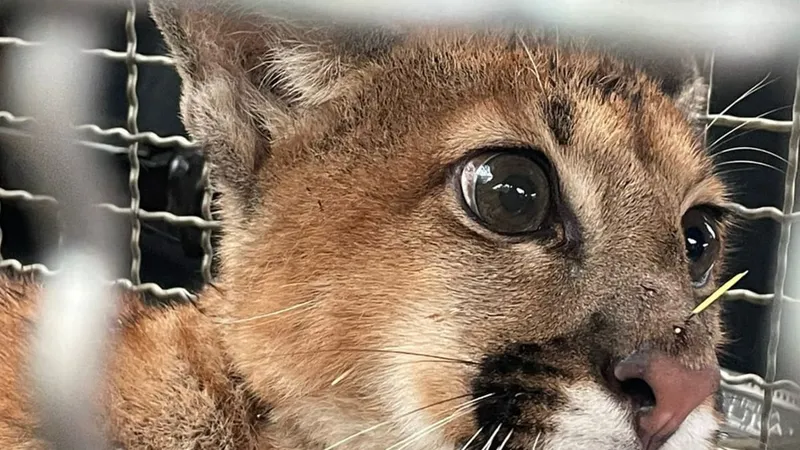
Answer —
754 427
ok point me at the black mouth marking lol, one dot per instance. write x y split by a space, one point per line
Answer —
520 384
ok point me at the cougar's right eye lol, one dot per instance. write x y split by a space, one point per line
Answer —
508 192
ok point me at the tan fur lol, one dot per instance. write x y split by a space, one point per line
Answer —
333 150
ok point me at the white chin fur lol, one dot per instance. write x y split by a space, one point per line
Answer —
592 418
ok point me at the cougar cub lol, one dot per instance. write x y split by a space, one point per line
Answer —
434 239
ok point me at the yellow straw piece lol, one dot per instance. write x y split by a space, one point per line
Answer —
717 294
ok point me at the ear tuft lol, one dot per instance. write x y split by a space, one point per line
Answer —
692 93
680 79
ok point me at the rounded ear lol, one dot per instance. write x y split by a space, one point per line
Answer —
678 72
680 78
247 76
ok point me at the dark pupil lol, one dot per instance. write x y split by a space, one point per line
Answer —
511 194
516 193
696 243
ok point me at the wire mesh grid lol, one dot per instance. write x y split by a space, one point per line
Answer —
134 137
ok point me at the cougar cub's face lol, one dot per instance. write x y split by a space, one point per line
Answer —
447 238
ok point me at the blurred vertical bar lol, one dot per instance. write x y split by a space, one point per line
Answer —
1 235
781 270
54 82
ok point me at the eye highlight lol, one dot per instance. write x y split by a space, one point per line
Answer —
509 193
701 238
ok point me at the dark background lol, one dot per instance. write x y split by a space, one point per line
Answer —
172 256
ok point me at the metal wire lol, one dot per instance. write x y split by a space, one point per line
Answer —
103 52
133 137
148 138
749 123
164 216
208 250
133 155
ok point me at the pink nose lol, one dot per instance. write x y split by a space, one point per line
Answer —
677 389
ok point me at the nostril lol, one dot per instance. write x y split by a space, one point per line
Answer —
664 391
639 393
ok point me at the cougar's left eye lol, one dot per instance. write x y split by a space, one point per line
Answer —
508 192
702 244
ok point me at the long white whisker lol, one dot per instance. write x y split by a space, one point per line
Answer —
491 438
472 439
429 429
726 172
755 163
434 358
505 441
264 316
755 149
353 436
388 422
760 85
536 442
